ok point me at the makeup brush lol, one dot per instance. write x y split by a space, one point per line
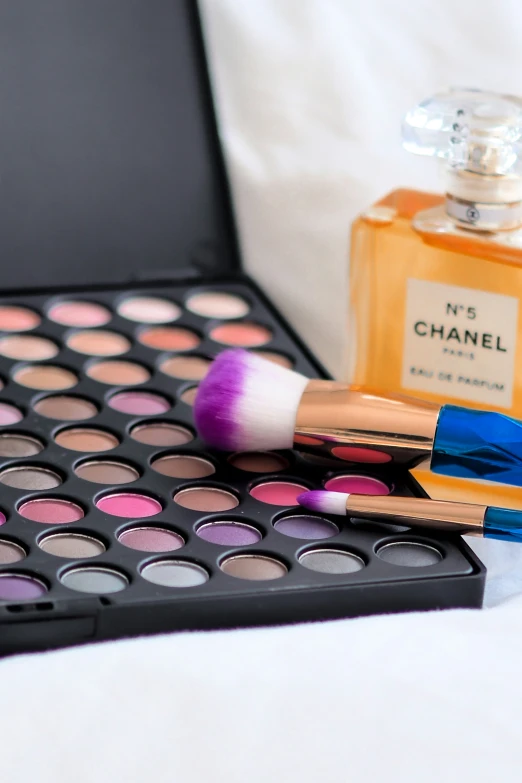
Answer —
248 403
486 521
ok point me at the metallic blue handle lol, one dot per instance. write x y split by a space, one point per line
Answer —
503 523
478 445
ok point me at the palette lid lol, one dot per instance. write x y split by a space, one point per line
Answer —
110 165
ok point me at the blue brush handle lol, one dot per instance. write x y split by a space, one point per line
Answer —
478 445
503 523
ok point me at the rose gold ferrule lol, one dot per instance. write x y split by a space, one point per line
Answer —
420 512
336 415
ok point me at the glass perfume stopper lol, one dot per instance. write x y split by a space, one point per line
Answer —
473 130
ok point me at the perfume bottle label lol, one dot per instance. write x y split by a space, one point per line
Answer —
459 342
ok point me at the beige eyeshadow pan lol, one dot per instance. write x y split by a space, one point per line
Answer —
183 466
28 347
159 433
118 373
98 342
86 439
149 310
188 368
106 472
65 408
206 499
46 377
217 304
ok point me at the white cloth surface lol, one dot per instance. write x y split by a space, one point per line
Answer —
311 95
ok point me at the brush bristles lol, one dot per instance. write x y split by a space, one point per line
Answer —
246 402
324 502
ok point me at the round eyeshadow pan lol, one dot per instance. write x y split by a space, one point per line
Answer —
14 445
106 472
258 461
51 511
189 395
355 454
306 527
242 334
229 533
208 499
3 518
188 368
359 485
118 373
9 414
169 338
98 342
17 319
72 545
139 403
10 552
97 580
278 493
331 561
409 553
65 408
277 358
129 504
79 314
28 347
151 539
29 477
175 573
253 567
217 304
185 466
149 310
46 377
161 434
88 439
20 587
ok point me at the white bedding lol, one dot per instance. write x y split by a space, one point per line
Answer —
311 94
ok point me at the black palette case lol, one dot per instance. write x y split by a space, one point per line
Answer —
113 187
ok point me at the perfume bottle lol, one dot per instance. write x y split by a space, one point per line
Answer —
436 281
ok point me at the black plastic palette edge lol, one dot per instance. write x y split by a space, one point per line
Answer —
60 618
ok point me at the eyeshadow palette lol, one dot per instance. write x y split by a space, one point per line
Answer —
116 519
120 282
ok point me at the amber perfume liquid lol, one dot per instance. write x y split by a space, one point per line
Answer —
435 309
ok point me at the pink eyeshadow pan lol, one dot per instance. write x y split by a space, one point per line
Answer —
3 518
151 539
278 493
17 319
9 414
241 333
51 511
86 314
139 403
359 485
129 504
355 454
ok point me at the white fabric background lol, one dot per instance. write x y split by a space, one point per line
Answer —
311 94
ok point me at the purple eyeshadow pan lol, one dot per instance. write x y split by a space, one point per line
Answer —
20 587
306 527
229 533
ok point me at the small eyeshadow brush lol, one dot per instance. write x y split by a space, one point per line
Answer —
486 521
248 403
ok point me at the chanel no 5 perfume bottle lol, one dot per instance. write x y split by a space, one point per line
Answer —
436 281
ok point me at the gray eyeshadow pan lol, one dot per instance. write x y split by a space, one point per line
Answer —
175 573
13 445
331 561
99 580
410 554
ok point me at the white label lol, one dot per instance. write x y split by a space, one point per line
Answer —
460 342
